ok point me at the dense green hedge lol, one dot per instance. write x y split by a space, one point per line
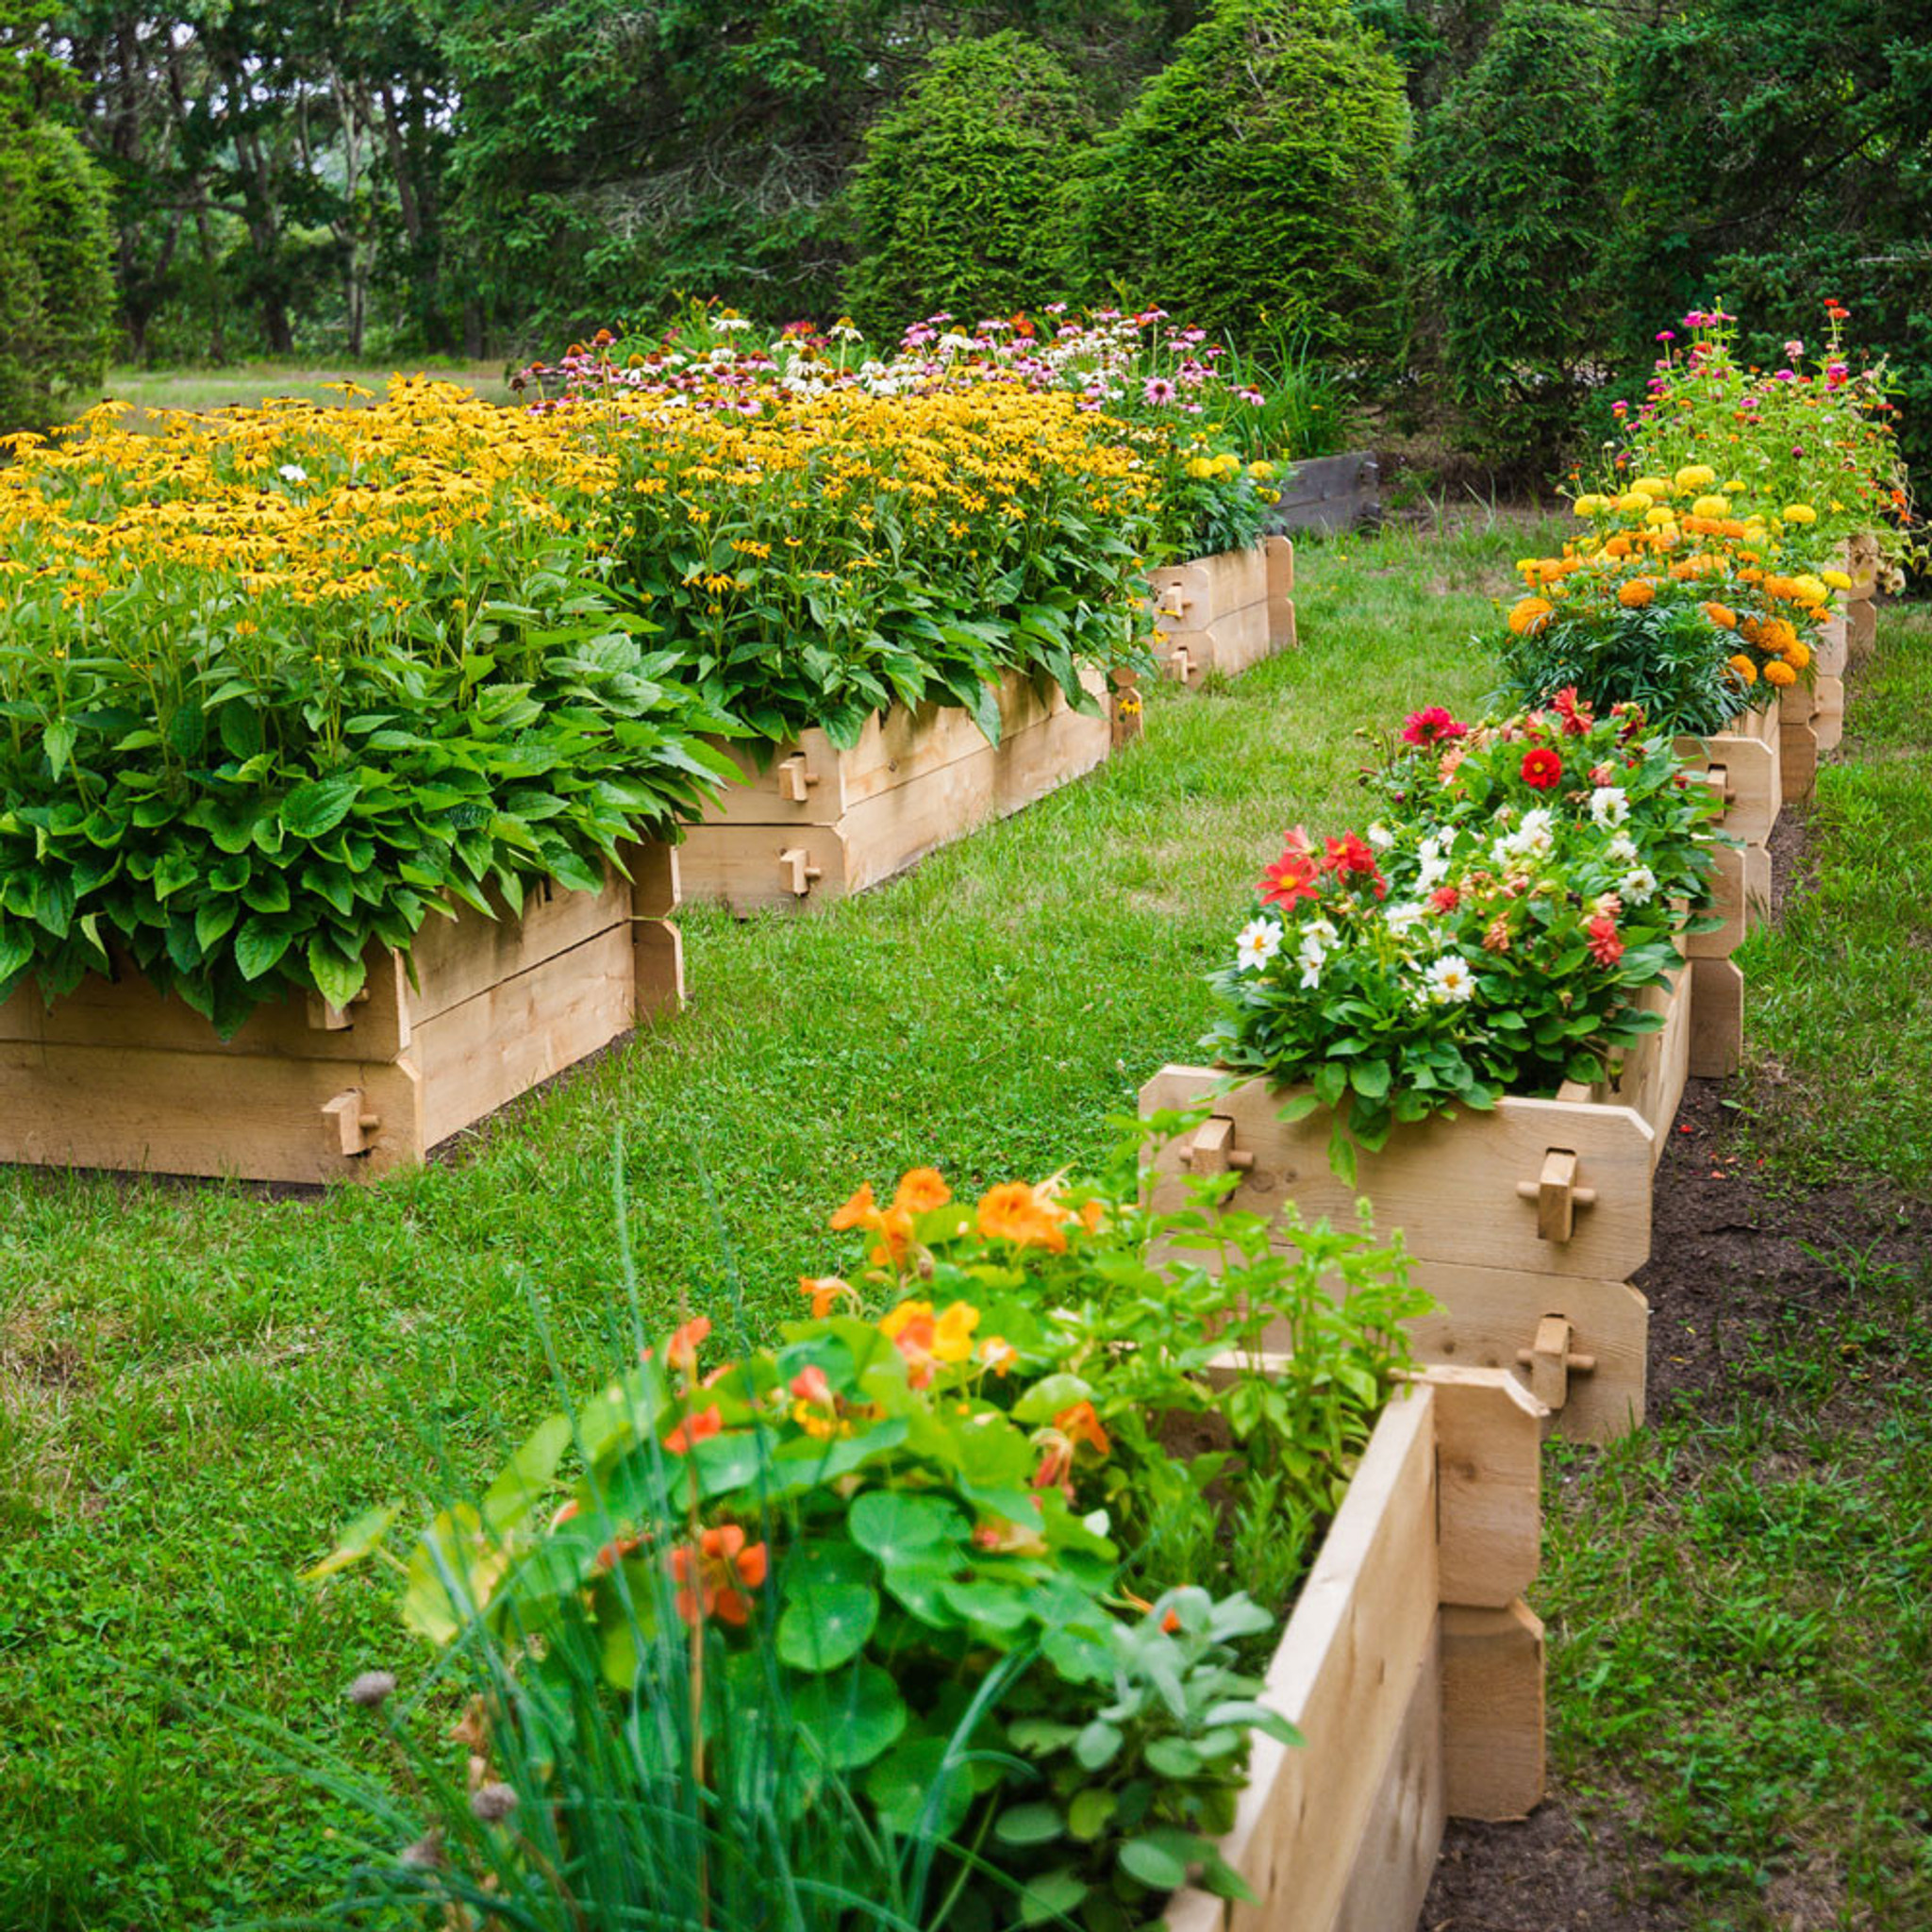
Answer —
956 200
1514 235
56 289
1256 176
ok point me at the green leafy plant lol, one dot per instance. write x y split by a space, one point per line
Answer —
884 1571
1260 167
1493 933
955 200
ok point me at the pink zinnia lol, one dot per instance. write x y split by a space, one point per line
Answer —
1605 948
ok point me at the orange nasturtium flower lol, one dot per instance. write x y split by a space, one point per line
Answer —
893 1224
1013 1211
921 1190
863 1211
826 1291
699 1428
713 1575
926 1340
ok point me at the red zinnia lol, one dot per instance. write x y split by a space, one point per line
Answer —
1292 876
1350 854
1430 726
1542 768
1605 948
1445 899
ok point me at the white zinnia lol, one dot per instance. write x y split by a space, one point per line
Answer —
1408 912
1256 944
1449 979
1637 887
1609 805
1381 837
1622 850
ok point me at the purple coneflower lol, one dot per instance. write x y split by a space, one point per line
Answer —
1159 390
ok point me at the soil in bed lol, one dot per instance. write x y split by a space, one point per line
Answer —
1734 1261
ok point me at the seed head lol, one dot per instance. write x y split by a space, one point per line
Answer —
370 1689
493 1803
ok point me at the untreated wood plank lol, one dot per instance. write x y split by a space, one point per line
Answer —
1450 1183
1750 756
1488 1486
1492 1711
1717 1019
1395 1856
129 1012
1741 897
1345 1675
254 1116
1828 720
1278 552
1488 1316
453 961
514 1035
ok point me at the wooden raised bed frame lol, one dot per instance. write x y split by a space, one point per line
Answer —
1410 1666
1526 1222
815 823
117 1076
1219 614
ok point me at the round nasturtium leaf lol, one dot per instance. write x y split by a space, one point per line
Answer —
1028 1825
825 1623
899 1528
853 1715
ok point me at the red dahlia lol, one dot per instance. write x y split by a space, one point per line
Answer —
1542 768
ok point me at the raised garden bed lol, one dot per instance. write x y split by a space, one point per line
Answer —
1747 765
1330 493
118 1075
1526 1222
814 822
1412 1666
1220 614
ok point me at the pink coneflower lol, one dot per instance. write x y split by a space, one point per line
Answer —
1159 390
1252 398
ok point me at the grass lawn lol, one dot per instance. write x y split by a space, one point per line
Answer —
247 383
198 1385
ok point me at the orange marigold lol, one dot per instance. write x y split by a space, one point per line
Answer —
1722 615
1798 653
1780 674
1529 616
1637 593
1744 668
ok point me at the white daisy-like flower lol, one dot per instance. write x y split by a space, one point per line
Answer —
1609 805
1256 944
1311 969
292 473
1380 836
1622 850
730 323
1538 829
1637 887
1318 933
1403 914
1449 980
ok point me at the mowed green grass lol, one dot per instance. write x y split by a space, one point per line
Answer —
245 384
200 1385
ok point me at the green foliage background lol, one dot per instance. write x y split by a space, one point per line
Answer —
955 201
1258 171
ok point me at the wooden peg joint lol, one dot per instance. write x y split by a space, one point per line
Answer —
1181 664
796 779
346 1125
1551 1361
1556 1196
1212 1149
799 872
1174 601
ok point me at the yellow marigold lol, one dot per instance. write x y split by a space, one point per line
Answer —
1722 615
1657 516
1780 674
1696 477
1658 486
1744 668
1635 501
1810 590
1837 579
1529 616
1711 506
1637 593
1800 513
1797 654
1590 506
